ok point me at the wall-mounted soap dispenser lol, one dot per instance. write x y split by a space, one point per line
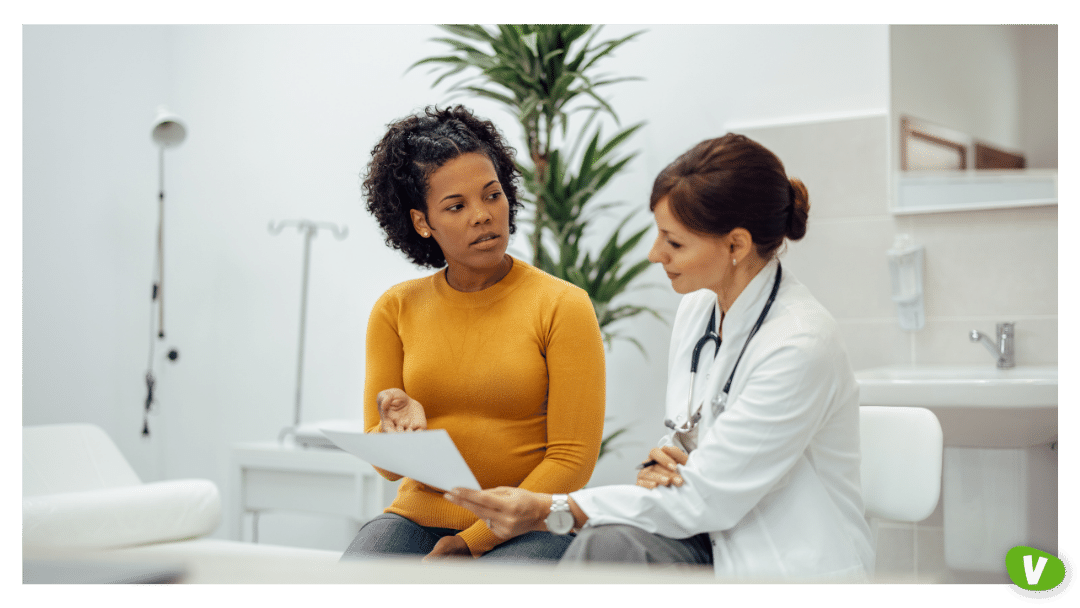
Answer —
906 268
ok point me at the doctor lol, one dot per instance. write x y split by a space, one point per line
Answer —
758 474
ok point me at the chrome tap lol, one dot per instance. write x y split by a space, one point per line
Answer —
1003 348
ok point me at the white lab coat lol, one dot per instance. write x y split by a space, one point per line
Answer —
775 477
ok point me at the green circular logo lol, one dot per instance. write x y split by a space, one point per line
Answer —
1034 570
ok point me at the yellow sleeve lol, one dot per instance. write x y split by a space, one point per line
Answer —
383 363
575 408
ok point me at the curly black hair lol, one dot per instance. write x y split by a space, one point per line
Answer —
412 149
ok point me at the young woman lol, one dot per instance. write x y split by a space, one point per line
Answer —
759 474
508 359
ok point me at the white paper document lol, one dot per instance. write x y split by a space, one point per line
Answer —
429 457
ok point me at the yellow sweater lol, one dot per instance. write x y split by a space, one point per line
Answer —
514 373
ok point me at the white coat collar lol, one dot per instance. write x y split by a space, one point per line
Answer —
747 307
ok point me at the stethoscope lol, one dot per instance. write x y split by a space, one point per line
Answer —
711 336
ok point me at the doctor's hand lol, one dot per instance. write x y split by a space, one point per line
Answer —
400 412
508 512
664 472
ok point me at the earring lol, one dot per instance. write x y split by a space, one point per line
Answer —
424 234
734 262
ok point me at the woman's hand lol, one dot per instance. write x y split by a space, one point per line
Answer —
448 547
400 412
664 472
508 512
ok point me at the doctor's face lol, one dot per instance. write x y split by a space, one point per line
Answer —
691 260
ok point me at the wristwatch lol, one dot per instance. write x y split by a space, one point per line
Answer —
560 520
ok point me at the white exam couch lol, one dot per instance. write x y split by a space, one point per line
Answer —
83 501
79 492
87 517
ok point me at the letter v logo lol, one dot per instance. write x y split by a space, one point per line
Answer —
1034 570
1033 574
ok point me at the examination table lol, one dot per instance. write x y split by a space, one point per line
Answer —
88 518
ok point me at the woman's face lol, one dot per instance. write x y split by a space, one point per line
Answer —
691 260
467 213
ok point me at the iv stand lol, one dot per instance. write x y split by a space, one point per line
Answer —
309 228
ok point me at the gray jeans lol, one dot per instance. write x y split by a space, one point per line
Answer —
617 543
391 534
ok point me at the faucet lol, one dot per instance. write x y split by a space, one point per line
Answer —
1002 348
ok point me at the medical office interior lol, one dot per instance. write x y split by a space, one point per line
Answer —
279 123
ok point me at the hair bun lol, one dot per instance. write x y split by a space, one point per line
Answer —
800 209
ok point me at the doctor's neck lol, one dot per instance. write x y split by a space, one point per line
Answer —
742 272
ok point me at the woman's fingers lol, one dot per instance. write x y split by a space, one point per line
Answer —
492 500
389 398
675 454
477 503
662 458
399 412
666 471
470 499
655 476
508 512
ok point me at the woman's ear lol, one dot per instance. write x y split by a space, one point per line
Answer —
740 242
419 221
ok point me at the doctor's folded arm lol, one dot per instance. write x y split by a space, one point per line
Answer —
757 471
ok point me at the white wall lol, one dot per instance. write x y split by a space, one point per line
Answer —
89 198
946 74
1039 94
995 83
281 120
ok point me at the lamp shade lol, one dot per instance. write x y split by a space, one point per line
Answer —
168 129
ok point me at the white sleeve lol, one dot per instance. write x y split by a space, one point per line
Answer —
741 458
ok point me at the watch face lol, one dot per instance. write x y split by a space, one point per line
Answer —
560 522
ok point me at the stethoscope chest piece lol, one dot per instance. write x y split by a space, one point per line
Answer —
719 404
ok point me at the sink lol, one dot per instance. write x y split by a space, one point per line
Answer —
999 468
978 406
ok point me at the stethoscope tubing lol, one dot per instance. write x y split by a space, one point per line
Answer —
711 335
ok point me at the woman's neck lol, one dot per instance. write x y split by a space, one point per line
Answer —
743 274
468 279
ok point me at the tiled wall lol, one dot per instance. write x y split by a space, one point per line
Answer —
981 268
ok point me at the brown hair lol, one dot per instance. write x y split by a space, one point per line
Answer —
734 182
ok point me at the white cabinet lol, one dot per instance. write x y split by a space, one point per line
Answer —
271 476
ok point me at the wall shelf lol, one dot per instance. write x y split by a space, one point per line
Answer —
936 191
